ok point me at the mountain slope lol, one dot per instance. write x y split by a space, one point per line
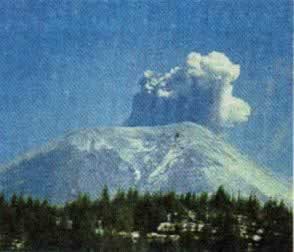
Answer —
181 157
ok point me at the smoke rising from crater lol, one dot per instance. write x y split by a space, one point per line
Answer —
201 90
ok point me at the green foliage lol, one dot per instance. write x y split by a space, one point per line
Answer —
221 200
84 223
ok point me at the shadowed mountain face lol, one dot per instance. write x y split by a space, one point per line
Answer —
181 157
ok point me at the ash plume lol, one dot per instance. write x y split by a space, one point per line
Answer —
201 91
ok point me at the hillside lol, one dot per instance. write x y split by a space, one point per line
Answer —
180 157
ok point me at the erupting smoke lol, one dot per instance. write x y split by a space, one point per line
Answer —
200 91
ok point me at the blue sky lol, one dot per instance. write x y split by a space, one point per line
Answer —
74 64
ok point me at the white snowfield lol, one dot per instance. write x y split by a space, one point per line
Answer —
180 157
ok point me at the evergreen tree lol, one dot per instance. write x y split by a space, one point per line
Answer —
202 208
72 226
252 207
221 200
105 211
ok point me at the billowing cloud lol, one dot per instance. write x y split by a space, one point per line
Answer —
202 89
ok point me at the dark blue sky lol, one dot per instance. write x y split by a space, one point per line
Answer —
73 64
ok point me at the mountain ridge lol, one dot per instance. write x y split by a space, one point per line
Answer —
181 157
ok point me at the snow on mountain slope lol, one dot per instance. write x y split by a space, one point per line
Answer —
182 157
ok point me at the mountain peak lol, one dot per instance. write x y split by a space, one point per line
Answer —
181 157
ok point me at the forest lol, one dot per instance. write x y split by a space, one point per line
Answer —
133 221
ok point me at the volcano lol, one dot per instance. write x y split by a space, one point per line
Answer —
183 157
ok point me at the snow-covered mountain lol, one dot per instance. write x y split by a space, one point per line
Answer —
182 157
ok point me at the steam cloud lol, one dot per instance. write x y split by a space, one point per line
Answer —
201 89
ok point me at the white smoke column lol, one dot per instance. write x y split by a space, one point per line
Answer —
216 71
213 72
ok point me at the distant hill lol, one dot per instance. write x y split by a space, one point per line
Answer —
181 157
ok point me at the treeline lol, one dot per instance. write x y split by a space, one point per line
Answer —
229 223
